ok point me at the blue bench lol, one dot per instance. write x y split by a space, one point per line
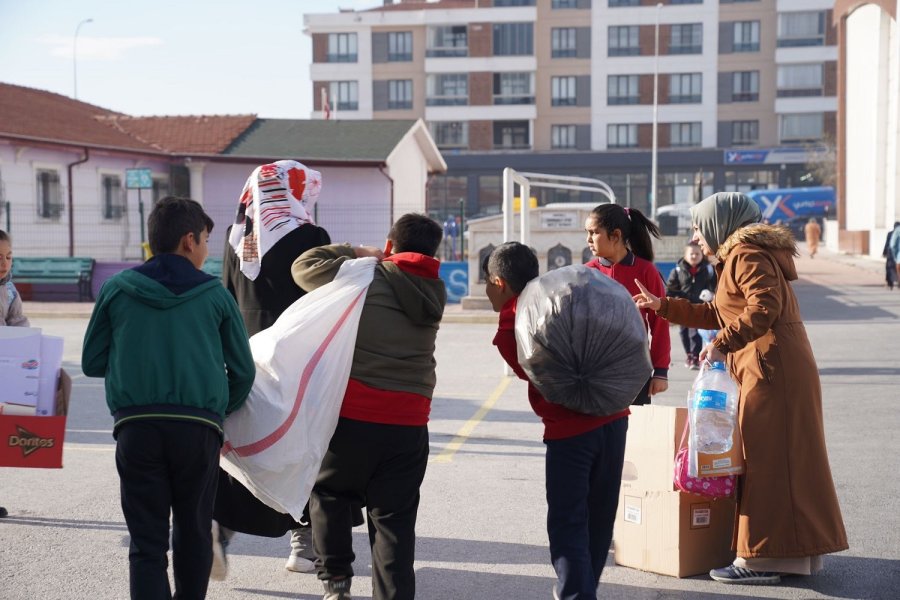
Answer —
77 271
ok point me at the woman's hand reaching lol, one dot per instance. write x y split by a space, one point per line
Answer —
645 299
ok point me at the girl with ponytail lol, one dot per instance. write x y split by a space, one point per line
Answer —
620 239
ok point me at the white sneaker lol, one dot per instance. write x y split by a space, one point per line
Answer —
220 560
302 556
298 564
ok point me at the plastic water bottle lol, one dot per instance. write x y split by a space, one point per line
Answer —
714 405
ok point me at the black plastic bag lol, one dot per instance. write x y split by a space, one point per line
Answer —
582 341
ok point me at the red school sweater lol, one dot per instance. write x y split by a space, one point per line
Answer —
559 421
625 272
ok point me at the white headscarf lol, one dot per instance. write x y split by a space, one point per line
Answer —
276 199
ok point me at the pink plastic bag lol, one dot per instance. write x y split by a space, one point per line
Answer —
712 487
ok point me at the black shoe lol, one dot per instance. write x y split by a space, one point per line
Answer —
733 574
3 512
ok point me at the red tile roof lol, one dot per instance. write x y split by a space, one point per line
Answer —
184 134
44 115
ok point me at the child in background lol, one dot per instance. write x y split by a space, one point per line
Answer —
172 346
620 238
689 279
584 452
10 300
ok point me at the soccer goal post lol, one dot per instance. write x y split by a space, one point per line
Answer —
526 181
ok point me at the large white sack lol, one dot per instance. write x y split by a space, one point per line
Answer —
274 444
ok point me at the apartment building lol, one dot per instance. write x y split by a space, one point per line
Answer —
745 94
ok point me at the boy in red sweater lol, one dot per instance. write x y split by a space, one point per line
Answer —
584 453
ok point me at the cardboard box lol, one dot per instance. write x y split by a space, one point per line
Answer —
673 533
652 442
725 463
36 442
654 435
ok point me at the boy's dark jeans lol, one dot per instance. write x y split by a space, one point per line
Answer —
692 344
167 465
381 466
583 477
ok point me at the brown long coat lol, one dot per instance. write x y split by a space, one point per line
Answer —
787 505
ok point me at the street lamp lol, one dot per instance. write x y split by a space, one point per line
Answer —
653 165
75 57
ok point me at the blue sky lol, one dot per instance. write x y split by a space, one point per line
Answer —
167 57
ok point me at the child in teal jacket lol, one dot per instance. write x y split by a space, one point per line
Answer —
172 346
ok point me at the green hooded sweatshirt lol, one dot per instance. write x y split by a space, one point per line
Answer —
167 354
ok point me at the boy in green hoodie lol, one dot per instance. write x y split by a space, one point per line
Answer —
172 346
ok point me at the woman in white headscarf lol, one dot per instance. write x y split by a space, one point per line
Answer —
788 512
273 226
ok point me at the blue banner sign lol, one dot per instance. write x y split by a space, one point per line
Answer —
138 179
456 280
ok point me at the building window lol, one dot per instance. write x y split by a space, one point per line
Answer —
806 127
800 80
684 134
513 88
448 40
400 93
513 2
744 133
511 135
447 89
685 88
562 42
624 40
343 95
113 199
342 47
562 137
745 86
801 29
562 91
745 181
622 89
616 3
160 189
746 36
621 136
49 195
686 39
450 134
400 46
555 4
513 39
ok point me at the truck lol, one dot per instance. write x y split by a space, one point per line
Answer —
793 207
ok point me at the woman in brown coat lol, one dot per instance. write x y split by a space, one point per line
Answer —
788 513
812 232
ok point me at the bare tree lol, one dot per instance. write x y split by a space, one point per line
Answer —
822 165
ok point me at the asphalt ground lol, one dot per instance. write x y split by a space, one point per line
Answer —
481 529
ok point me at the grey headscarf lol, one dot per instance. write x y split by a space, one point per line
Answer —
721 214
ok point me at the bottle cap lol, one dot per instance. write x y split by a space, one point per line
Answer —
718 366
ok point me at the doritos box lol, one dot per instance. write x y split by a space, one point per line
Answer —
36 442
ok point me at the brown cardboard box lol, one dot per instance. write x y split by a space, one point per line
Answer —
652 442
654 435
36 442
673 533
